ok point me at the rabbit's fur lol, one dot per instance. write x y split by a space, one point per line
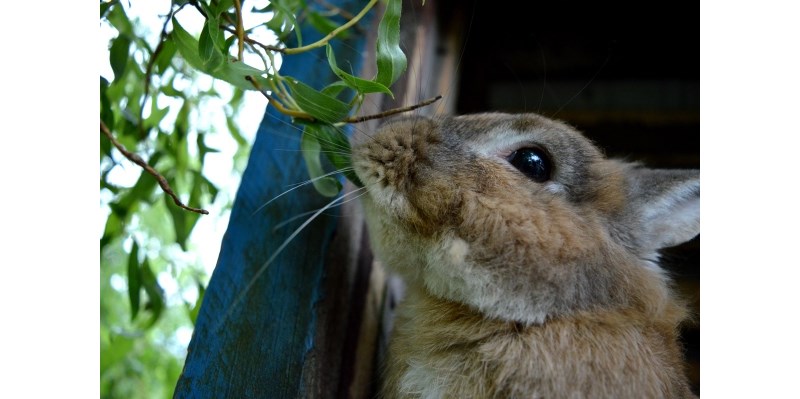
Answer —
518 288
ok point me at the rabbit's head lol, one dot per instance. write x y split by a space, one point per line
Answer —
521 217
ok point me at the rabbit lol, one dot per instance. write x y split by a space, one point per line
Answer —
530 260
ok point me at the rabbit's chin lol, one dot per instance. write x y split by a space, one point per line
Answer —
441 265
450 274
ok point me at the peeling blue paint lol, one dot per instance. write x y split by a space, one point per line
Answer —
254 346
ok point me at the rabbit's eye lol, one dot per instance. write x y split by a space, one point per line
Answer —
533 162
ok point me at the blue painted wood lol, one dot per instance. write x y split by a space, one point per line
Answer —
255 345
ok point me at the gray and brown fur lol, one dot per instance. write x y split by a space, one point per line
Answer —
518 288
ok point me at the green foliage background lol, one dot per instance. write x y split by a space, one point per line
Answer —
151 285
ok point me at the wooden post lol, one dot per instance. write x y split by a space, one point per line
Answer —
278 332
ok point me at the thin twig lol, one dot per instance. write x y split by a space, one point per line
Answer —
149 71
302 115
333 33
247 39
394 111
239 27
149 169
277 104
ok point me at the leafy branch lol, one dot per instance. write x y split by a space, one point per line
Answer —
211 55
359 119
149 169
321 42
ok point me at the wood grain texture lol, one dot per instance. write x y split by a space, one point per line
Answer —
259 343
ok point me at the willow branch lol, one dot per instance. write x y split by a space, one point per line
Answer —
277 104
247 39
333 33
149 71
302 115
239 27
149 169
393 111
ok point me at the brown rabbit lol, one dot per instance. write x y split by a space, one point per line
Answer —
530 260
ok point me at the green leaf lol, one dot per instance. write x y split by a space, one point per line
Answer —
128 130
156 114
275 24
205 45
212 44
229 71
206 6
114 227
134 280
105 151
117 350
118 55
235 132
202 148
212 56
235 72
226 47
335 88
104 184
187 45
236 98
169 90
310 146
106 112
120 20
180 152
182 122
284 16
390 58
321 106
164 58
221 6
336 147
183 221
216 34
212 190
155 294
178 222
194 310
142 190
104 7
268 8
156 221
362 86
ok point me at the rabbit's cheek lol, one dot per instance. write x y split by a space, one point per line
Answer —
392 242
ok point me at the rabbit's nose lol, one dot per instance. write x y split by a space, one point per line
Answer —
388 159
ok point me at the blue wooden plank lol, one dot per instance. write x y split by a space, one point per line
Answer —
254 345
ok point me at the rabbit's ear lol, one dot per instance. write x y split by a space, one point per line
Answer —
667 206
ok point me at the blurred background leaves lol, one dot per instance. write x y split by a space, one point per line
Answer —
153 267
183 97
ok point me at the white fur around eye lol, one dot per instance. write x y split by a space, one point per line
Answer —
499 142
554 187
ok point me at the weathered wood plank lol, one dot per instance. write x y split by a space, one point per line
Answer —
258 342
